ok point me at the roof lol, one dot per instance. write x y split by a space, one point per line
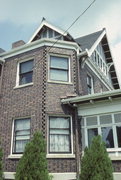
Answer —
86 42
93 97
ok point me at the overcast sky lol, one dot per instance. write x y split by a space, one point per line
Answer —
19 20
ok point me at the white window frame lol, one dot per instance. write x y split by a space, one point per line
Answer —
114 150
69 70
92 83
18 71
60 155
18 155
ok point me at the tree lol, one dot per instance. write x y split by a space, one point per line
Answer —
1 164
95 164
33 164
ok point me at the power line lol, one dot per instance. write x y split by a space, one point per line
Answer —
70 26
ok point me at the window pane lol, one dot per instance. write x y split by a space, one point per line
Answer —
58 75
106 119
26 66
117 118
118 129
59 143
26 78
59 122
20 145
50 33
58 62
91 133
107 136
59 131
21 124
91 121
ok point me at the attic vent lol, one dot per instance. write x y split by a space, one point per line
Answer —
17 44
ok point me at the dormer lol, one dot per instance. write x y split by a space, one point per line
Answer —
47 30
96 50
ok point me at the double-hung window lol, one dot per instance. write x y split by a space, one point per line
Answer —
108 126
25 72
59 135
89 84
59 69
21 134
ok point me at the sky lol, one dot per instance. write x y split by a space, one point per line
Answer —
20 19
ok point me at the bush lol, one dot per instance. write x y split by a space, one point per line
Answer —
33 164
95 164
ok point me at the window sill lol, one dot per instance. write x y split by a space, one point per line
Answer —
24 85
60 82
15 156
115 157
60 156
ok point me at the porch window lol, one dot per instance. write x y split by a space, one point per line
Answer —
108 126
59 135
21 134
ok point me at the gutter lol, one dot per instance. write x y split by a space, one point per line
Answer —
96 96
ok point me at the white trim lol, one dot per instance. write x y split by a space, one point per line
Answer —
56 176
23 85
69 69
100 75
40 43
9 175
65 156
17 74
61 155
45 23
15 156
64 176
117 175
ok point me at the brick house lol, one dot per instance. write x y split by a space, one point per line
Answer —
48 84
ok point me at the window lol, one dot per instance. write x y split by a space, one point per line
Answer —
25 72
59 135
59 68
89 84
108 126
21 134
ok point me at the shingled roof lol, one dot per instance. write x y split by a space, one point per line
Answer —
86 42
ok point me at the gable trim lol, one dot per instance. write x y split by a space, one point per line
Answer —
45 23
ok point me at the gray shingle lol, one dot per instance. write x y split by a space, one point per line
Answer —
86 42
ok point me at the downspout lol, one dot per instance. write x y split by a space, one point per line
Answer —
77 151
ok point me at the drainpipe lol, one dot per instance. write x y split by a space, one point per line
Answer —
77 151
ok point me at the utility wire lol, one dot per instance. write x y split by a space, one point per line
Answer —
70 27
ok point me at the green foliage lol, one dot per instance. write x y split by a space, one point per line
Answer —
1 164
33 164
95 164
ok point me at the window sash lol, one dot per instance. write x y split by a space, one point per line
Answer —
25 72
59 137
59 68
21 134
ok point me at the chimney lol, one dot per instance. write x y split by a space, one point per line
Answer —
18 44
